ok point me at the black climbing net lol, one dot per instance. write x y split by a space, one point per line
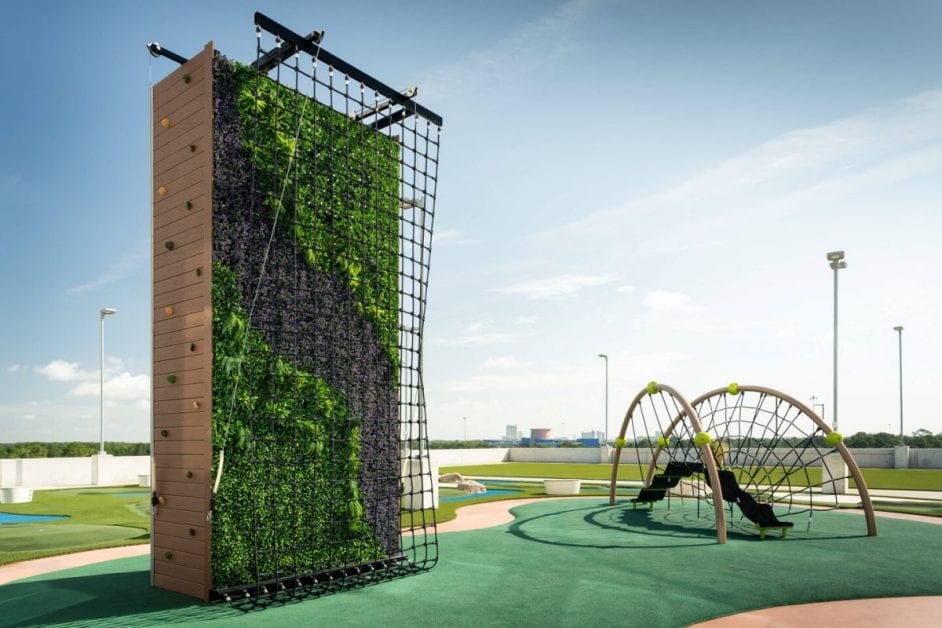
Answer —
325 184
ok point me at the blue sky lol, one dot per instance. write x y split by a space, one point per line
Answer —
656 181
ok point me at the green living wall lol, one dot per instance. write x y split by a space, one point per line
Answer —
305 388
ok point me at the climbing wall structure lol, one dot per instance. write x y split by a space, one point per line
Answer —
293 206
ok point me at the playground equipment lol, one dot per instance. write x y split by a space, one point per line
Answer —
293 207
751 446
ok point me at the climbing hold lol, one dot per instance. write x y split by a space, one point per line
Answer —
164 433
169 245
162 191
652 388
192 346
192 148
172 378
192 532
833 438
161 500
189 475
196 405
186 78
662 442
188 205
701 439
619 442
168 310
165 123
199 272
168 555
733 389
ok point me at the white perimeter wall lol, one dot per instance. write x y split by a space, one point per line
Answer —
124 470
91 471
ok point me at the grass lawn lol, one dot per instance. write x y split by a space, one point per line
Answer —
97 517
901 479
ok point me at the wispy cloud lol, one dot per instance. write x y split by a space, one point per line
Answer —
453 237
121 386
536 44
666 301
796 171
13 368
63 371
479 338
564 285
120 269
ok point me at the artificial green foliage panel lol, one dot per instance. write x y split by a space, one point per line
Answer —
267 409
334 182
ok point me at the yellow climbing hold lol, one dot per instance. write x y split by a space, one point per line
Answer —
833 438
662 442
701 439
165 123
652 388
733 389
619 442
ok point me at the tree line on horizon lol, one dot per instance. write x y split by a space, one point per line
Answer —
73 449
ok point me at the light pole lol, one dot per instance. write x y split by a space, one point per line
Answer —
821 405
836 259
103 312
899 332
465 419
604 356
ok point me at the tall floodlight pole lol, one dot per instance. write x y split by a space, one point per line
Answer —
604 356
836 259
465 419
899 332
103 312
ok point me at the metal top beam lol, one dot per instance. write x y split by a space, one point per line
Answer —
301 43
156 50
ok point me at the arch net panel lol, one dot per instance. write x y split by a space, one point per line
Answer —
323 209
777 453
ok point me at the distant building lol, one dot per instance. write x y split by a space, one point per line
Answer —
512 434
593 434
541 433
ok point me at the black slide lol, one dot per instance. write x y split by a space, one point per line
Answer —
761 514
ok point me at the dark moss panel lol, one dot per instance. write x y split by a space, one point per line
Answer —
311 433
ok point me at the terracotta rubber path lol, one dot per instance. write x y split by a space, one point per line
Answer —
902 612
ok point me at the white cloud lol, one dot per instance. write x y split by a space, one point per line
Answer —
120 269
29 417
13 368
536 45
625 289
505 363
564 285
453 237
795 171
666 301
123 387
477 339
525 320
62 371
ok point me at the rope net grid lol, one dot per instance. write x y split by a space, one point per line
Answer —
323 213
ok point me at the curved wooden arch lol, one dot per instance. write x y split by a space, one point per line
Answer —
841 447
706 453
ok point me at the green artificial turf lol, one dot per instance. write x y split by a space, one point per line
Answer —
560 563
901 479
97 517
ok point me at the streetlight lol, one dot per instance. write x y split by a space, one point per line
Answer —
604 356
465 419
103 312
814 405
899 331
836 259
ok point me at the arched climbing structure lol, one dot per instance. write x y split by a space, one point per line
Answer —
660 409
780 450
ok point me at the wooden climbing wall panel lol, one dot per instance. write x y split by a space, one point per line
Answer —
182 331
